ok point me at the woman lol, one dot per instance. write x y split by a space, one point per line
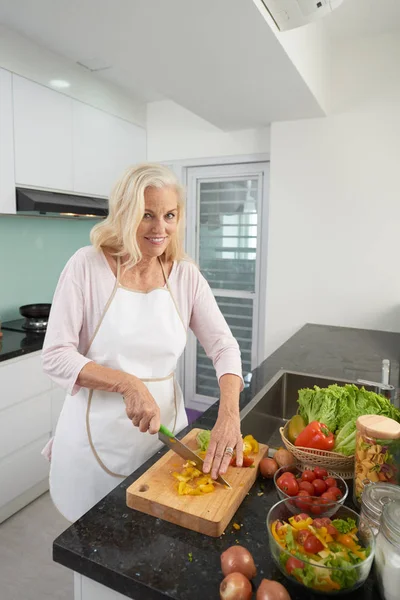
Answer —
118 325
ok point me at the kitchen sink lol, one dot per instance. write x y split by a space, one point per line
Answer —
276 403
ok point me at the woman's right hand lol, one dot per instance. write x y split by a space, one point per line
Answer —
141 407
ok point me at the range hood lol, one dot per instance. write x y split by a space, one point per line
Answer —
56 204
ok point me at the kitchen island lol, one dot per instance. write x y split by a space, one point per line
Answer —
119 553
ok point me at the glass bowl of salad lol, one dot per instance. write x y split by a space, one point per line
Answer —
328 554
326 486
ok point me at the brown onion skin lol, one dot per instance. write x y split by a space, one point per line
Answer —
238 559
271 590
235 586
268 467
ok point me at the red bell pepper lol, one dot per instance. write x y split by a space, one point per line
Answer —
316 435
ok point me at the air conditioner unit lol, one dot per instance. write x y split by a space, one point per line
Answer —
288 14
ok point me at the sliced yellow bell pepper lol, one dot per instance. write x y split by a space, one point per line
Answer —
275 534
304 524
255 447
206 488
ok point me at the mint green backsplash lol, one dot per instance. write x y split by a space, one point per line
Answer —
33 252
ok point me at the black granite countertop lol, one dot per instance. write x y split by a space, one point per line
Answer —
143 557
13 344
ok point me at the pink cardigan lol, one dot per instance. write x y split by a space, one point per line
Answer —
84 287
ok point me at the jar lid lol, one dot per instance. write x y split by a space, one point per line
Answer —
390 521
378 426
376 495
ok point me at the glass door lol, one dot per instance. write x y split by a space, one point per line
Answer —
223 236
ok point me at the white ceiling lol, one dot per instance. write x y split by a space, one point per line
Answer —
360 18
217 58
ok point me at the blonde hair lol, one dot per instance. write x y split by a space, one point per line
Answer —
126 209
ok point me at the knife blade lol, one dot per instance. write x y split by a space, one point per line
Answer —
168 438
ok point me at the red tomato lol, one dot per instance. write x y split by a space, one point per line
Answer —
247 461
332 530
303 501
306 485
324 522
300 517
288 485
319 486
330 482
316 510
294 563
302 535
289 474
335 492
308 475
278 525
328 497
312 545
320 472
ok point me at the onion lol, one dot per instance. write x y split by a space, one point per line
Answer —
235 586
271 590
237 559
284 458
268 467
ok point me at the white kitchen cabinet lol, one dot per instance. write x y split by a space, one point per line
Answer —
27 421
42 136
103 147
7 185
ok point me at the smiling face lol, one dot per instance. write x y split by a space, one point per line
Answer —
160 221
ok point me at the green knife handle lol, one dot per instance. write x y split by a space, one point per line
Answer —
166 431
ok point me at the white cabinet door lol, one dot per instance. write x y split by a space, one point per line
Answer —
23 470
24 422
103 146
7 184
42 136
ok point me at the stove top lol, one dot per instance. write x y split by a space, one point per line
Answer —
20 325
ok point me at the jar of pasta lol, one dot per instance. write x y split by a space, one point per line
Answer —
377 456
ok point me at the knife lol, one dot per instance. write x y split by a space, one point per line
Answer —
176 445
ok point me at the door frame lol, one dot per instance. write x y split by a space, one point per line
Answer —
181 168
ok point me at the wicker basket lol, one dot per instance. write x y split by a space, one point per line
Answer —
331 461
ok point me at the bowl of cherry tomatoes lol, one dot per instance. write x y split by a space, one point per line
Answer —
312 489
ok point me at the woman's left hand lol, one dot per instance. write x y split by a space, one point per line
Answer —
226 438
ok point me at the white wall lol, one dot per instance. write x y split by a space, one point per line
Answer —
334 201
365 73
175 133
309 48
334 243
22 56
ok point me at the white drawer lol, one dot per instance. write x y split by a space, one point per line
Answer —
22 470
21 379
24 422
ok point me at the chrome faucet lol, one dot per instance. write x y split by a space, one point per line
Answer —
384 388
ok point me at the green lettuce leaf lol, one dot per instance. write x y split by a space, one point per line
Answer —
347 576
203 439
307 575
344 526
290 543
345 441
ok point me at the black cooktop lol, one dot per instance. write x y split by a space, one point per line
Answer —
17 325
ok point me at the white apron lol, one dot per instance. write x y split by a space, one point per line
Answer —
95 444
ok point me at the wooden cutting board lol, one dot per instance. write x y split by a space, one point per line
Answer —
155 493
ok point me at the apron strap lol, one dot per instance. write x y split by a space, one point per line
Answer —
172 296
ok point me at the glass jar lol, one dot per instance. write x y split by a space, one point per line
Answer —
387 555
377 455
375 497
